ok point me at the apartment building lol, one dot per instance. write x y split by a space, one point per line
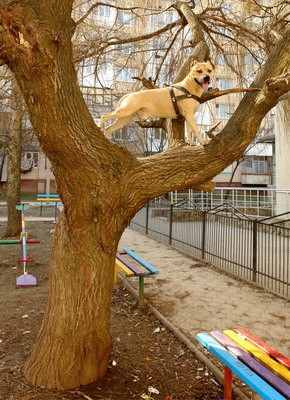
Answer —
106 76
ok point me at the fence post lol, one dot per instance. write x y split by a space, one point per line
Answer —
255 231
147 218
170 223
203 235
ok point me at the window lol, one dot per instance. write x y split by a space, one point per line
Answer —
89 68
224 110
224 33
223 59
226 9
126 18
32 158
253 58
161 19
159 44
256 165
126 74
224 84
203 115
126 134
157 134
126 48
102 12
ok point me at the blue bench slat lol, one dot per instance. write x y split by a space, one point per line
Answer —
140 260
52 196
264 372
241 370
131 266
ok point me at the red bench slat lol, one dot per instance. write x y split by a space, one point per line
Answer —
265 347
262 371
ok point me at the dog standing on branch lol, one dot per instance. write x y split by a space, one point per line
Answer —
180 99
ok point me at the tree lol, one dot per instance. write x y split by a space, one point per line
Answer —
14 166
101 184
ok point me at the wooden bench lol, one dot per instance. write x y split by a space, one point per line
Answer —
262 368
52 200
131 264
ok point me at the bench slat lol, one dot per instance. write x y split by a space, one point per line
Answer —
48 195
124 268
146 264
265 373
136 271
259 355
241 370
48 201
265 347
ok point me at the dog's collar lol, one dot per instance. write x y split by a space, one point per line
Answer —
175 99
187 94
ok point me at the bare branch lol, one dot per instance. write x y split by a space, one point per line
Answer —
213 94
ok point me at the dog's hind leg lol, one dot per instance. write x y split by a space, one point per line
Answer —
117 125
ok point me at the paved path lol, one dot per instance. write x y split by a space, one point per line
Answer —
196 297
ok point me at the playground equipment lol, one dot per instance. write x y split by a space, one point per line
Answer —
16 241
25 279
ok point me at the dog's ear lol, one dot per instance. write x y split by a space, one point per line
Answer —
193 63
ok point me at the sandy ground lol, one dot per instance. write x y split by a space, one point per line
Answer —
195 297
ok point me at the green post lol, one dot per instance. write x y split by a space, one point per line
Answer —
141 291
10 241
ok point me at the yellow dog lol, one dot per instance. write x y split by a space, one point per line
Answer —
181 98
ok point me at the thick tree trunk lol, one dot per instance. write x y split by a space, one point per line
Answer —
14 171
75 330
101 185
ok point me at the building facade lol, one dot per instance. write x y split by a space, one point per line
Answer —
105 76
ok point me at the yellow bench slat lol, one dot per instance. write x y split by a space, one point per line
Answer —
259 355
124 268
45 200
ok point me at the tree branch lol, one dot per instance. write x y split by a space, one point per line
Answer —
184 166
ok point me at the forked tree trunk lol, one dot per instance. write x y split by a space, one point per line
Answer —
101 185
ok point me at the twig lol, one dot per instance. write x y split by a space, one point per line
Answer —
83 395
211 135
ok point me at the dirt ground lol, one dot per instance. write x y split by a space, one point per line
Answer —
146 357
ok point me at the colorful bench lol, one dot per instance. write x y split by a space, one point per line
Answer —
52 200
131 264
262 368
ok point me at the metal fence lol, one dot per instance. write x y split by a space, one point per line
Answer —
252 249
255 201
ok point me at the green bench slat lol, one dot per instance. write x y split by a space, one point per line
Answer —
152 270
238 368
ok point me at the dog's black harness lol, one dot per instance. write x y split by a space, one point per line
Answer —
175 99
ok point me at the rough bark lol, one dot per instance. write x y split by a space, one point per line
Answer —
101 185
13 227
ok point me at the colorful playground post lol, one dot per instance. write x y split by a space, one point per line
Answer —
25 279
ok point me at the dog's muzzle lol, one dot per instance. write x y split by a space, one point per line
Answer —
204 83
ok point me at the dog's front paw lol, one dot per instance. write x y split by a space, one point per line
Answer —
205 142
